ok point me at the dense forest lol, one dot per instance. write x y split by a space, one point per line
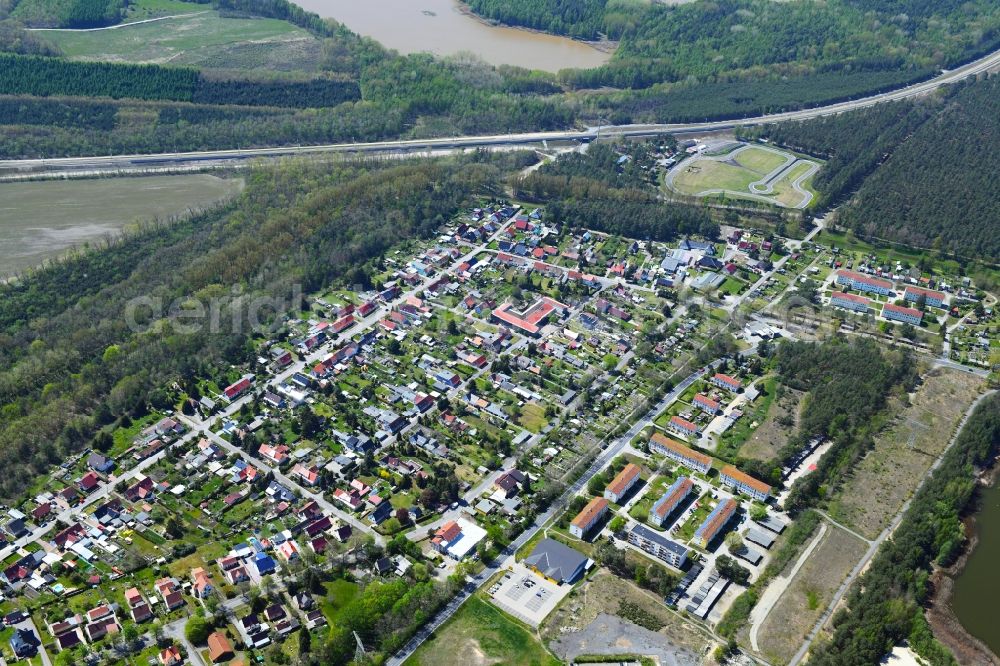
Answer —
885 606
580 19
69 13
751 39
43 77
595 192
698 61
891 164
71 364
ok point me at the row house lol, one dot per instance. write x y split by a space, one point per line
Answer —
706 404
862 282
622 483
716 522
670 500
851 302
902 314
678 452
726 382
744 483
658 545
588 517
683 426
933 298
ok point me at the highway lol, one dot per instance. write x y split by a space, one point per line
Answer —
12 169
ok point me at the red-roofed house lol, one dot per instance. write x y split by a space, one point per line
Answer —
308 475
236 389
89 481
726 382
705 403
900 313
683 426
276 454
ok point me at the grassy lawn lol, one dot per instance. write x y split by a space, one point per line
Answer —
761 160
479 629
703 175
756 412
533 417
783 190
339 593
687 530
731 286
202 37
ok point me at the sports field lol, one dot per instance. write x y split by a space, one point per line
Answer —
183 33
41 220
755 172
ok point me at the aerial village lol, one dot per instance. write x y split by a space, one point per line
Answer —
505 401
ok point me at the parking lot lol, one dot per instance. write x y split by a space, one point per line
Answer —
527 595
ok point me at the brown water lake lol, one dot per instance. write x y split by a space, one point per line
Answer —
441 28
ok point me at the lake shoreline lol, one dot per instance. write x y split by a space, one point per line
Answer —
445 28
608 46
944 624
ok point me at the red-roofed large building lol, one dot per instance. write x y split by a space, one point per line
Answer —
850 302
744 483
706 404
726 382
683 426
676 451
622 483
590 516
862 282
530 320
670 500
933 298
715 522
903 314
237 389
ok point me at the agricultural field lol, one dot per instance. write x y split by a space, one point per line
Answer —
883 480
808 594
42 220
192 34
761 173
482 635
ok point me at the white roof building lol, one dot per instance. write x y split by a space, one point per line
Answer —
468 540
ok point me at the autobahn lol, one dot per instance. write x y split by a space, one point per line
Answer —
68 166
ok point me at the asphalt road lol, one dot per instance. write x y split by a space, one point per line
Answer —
556 507
134 163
